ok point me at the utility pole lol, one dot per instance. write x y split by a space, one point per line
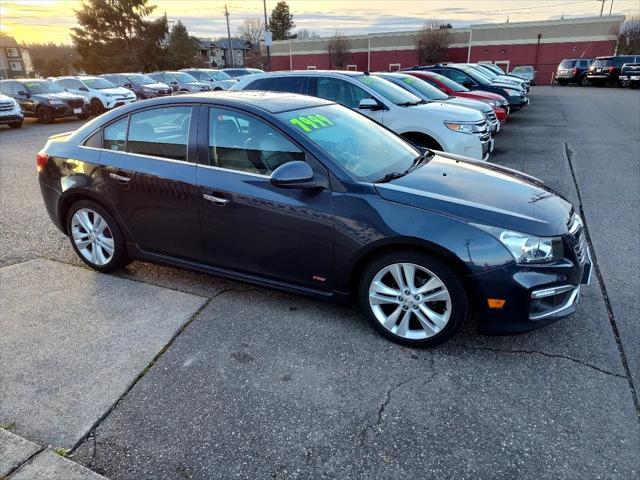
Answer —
226 14
610 7
602 6
266 27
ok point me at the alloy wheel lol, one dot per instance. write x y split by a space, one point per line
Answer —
92 236
410 301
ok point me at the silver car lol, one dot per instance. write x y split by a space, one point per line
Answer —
180 82
217 79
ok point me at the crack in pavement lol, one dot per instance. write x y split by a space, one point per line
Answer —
544 354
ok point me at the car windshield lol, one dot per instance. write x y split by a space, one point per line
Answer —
360 146
477 76
141 79
427 90
567 64
490 74
391 92
450 84
218 75
98 83
183 77
42 86
602 62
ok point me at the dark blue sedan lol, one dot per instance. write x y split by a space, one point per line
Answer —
304 195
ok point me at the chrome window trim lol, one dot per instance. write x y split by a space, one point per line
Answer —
212 167
139 155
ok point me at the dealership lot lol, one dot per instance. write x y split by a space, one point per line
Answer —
265 384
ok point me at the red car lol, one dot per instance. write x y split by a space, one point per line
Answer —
448 86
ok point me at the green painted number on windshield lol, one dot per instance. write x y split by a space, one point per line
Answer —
309 123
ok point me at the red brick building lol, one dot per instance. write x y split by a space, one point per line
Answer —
542 44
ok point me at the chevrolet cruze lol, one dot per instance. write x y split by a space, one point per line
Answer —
304 195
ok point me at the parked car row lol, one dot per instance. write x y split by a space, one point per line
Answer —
83 95
620 70
426 108
300 193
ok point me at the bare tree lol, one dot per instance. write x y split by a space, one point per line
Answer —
251 30
306 34
339 49
433 41
629 36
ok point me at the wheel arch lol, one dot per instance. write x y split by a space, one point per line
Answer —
68 199
423 139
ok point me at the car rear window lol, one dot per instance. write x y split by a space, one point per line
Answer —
602 62
567 64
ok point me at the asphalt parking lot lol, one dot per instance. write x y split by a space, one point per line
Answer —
228 380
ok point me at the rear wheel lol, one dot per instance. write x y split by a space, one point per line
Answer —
562 83
96 237
45 115
83 116
15 124
412 298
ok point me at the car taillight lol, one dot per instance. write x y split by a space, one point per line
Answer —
612 69
574 70
41 159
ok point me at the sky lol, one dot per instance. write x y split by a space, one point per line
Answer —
50 20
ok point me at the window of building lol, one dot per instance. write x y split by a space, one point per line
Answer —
12 52
394 67
352 68
160 132
311 67
16 66
246 144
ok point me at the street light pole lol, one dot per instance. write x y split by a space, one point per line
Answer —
266 27
610 7
601 6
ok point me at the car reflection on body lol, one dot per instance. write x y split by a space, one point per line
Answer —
304 195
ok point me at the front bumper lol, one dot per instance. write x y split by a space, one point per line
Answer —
118 102
61 111
517 103
536 295
11 116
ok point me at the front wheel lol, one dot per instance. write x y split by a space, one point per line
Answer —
562 83
96 107
96 237
412 298
45 115
15 124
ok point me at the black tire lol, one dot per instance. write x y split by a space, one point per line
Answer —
562 83
45 115
96 107
119 258
15 124
83 116
452 282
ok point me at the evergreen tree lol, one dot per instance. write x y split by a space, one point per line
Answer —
281 22
183 49
113 34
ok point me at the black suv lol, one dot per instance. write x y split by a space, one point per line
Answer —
573 70
630 75
142 85
45 100
474 80
606 70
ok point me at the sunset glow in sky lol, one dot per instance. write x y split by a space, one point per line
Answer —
50 20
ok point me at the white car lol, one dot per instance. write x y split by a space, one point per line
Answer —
217 79
10 112
102 94
435 125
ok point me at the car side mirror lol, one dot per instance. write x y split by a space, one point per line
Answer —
127 85
83 89
174 83
369 104
468 84
296 174
22 93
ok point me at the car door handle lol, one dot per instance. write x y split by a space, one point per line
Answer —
214 199
119 178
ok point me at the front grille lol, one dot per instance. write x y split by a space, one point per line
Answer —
484 133
5 107
578 239
75 103
491 116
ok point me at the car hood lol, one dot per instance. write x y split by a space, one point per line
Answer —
59 96
469 103
446 111
156 86
116 91
482 193
198 84
225 83
512 86
481 94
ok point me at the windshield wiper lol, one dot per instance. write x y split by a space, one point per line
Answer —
419 160
410 104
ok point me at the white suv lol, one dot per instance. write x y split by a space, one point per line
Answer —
434 125
102 94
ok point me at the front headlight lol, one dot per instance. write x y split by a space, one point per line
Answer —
56 102
148 90
527 248
493 103
462 127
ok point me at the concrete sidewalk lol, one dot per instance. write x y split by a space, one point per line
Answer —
21 459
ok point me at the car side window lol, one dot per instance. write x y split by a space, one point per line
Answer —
456 76
288 84
260 84
160 132
246 144
338 91
115 135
